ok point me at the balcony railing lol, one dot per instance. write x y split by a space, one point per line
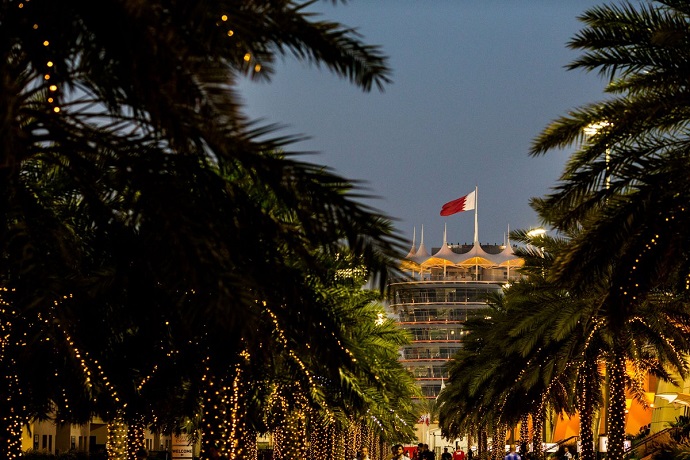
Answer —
427 278
424 355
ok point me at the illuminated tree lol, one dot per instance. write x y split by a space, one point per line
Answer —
542 344
140 210
624 188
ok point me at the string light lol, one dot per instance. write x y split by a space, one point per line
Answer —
50 65
116 444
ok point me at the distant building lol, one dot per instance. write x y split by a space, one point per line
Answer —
50 438
444 289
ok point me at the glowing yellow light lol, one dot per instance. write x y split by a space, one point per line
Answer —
53 87
230 33
224 17
593 128
46 43
50 99
247 57
257 68
56 109
49 63
46 77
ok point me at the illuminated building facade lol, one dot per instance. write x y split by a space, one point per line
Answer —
443 291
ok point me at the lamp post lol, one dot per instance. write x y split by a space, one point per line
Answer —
591 130
536 234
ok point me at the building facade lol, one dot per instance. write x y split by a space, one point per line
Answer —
440 294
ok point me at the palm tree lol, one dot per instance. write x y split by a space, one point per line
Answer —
180 209
511 367
555 330
482 380
612 184
623 189
554 341
275 389
583 334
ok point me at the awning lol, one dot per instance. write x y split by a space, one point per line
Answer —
676 398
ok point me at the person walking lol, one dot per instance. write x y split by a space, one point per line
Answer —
362 454
428 454
399 453
512 455
417 454
446 455
458 454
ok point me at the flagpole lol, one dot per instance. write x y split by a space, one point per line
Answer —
444 244
476 225
507 245
414 246
421 270
476 232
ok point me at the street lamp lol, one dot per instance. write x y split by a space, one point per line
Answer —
536 232
591 130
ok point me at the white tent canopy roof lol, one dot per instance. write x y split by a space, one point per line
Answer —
445 253
476 256
507 257
422 254
413 249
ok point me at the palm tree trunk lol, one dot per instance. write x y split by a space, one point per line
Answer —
494 449
239 439
246 445
501 441
11 435
136 435
289 437
353 439
117 438
214 421
538 433
616 415
12 422
498 441
524 433
586 404
483 443
329 441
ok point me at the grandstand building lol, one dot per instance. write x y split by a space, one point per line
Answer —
442 291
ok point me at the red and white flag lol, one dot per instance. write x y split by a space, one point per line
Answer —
465 203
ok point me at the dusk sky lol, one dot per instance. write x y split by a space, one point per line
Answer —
474 82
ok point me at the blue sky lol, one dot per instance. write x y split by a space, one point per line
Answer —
474 82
